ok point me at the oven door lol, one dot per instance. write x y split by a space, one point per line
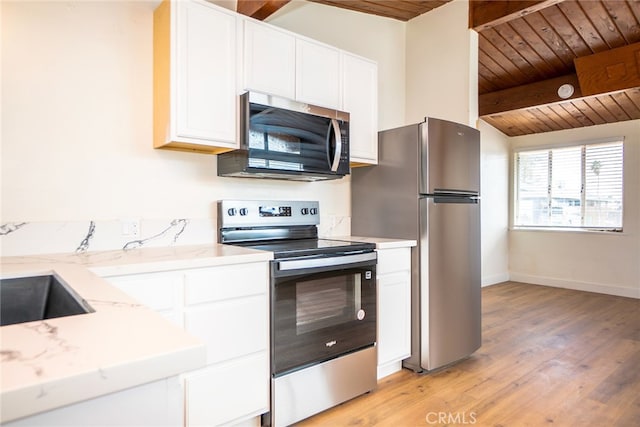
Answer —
321 311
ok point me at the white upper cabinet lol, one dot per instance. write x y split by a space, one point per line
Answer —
269 60
205 56
360 99
318 79
195 68
281 63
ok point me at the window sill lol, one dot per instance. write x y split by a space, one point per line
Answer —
607 231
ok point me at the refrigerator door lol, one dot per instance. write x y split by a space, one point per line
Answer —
450 275
450 157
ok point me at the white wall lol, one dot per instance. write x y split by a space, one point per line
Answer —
441 65
591 261
76 112
77 130
494 204
442 60
77 108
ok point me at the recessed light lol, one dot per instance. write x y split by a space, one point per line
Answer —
565 91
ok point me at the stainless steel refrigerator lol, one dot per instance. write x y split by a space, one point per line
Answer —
426 187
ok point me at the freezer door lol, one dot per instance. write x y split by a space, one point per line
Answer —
450 280
450 157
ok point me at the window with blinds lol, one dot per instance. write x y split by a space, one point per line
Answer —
575 187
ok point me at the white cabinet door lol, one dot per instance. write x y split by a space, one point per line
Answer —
317 74
269 60
360 100
228 392
206 53
394 308
394 317
195 69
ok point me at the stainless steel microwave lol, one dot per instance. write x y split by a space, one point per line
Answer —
285 139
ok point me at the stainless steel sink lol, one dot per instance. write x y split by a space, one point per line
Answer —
25 299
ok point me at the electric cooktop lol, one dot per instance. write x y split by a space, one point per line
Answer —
308 247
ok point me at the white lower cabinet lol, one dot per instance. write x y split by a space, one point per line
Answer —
161 292
228 392
227 307
230 328
394 309
156 404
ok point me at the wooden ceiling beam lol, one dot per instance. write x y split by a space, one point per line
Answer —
526 96
485 14
259 9
608 71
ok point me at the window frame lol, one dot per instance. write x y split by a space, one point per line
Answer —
514 178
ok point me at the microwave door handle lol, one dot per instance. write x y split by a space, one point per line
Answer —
336 155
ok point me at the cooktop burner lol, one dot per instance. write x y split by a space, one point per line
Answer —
305 247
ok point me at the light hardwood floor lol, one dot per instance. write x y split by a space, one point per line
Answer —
550 357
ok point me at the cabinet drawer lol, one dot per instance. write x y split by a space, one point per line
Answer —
158 291
230 328
228 392
225 282
390 260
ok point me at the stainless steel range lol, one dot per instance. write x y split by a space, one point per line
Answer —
323 306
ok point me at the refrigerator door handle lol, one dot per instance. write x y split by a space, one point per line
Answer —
456 199
448 192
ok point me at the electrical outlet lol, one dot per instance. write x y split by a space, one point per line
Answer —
130 227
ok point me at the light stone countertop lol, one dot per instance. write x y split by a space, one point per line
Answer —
55 362
381 243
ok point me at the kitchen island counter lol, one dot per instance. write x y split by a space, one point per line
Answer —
55 362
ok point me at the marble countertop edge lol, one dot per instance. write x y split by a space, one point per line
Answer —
48 395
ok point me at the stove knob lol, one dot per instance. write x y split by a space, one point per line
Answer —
243 211
231 211
304 211
314 211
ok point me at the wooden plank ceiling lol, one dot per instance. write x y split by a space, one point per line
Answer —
528 49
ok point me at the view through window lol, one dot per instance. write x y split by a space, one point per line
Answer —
577 186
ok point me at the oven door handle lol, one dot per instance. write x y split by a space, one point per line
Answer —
301 264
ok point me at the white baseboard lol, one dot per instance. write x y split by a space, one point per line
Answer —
389 368
579 286
251 422
495 279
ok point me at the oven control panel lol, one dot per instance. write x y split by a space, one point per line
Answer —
247 213
274 211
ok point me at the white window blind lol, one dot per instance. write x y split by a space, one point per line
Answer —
576 187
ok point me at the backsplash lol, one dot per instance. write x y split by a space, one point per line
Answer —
31 238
